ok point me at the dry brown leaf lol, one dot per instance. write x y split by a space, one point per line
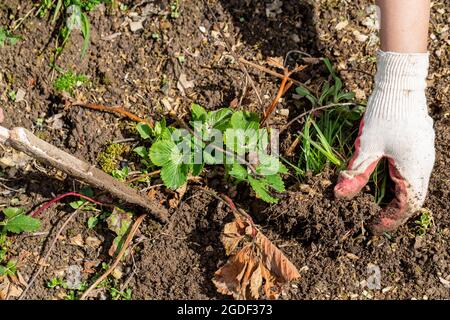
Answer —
231 236
275 260
256 282
258 262
226 278
271 289
77 240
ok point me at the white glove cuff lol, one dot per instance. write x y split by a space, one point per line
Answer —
400 82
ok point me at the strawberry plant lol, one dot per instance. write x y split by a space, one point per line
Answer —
220 137
15 221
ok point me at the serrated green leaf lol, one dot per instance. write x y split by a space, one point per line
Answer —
12 212
261 188
238 171
276 182
22 223
144 130
268 164
198 113
174 175
220 119
245 120
241 141
163 152
141 151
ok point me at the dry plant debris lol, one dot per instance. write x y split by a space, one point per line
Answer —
258 269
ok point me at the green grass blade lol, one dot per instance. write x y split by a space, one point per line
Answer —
57 10
86 31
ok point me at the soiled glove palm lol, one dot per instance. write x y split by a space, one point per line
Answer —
395 125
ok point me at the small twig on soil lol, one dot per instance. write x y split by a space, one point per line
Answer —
284 87
23 140
21 20
117 110
42 261
271 72
134 228
142 176
75 194
297 118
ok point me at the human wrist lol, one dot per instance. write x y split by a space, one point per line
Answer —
400 83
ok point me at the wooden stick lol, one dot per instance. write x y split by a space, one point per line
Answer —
23 140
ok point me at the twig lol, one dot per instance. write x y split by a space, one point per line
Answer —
271 72
52 245
117 110
132 232
23 140
21 20
284 87
297 118
144 176
75 194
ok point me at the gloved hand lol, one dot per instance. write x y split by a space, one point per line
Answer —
395 125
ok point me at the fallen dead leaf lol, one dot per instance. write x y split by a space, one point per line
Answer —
93 242
258 262
183 84
77 240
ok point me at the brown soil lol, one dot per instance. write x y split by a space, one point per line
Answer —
324 237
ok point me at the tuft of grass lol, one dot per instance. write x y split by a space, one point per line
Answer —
327 137
69 81
73 16
379 179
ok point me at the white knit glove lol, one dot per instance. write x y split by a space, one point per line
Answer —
395 125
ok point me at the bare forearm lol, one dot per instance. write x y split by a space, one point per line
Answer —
404 25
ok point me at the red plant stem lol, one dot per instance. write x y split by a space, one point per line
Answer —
75 194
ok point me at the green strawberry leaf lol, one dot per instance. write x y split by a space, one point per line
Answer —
163 152
22 223
220 119
245 120
261 188
276 182
141 151
144 130
238 171
174 175
198 113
